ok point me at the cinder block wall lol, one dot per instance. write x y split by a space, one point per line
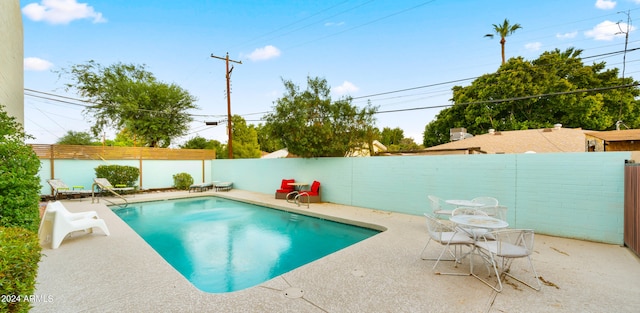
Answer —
575 195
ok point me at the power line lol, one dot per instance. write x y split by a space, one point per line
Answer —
354 98
516 98
414 88
366 23
300 21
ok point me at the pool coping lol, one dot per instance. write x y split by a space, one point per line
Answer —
384 273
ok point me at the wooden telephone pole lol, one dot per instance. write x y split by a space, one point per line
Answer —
228 76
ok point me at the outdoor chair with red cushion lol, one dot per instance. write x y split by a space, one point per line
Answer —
285 188
312 194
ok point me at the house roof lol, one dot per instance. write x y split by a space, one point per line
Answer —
616 135
282 153
555 139
364 150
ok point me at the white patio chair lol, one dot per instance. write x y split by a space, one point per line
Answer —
509 244
57 222
436 206
447 237
486 201
498 211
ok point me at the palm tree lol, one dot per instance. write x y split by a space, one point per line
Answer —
503 31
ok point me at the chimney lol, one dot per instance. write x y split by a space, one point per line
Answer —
492 131
457 133
557 126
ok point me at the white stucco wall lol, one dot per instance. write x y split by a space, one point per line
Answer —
11 59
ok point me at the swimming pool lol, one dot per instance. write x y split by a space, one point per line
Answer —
222 245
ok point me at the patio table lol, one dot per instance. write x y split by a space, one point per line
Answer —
298 186
463 203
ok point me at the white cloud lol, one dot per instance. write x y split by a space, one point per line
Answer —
607 30
533 46
329 24
36 64
265 53
61 12
346 88
605 4
570 35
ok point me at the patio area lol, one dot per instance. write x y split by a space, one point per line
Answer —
97 273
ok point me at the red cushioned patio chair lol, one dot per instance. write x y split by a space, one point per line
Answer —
310 196
285 188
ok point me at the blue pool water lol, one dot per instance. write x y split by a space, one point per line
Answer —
222 245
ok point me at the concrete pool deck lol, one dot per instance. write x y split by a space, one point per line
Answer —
121 273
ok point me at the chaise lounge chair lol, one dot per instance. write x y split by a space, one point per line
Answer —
223 186
201 187
104 184
60 188
57 222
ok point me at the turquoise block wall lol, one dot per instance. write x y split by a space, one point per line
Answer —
574 195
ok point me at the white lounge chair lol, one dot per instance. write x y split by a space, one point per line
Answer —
57 222
60 188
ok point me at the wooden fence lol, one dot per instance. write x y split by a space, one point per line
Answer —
632 207
51 154
78 152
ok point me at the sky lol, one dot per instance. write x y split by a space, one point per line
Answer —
402 56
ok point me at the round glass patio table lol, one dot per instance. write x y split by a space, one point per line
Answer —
479 221
464 203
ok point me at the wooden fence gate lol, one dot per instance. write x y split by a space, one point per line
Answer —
632 207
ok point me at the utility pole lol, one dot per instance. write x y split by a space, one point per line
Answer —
228 76
626 39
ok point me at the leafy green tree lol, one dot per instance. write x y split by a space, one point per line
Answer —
245 139
128 96
408 144
19 180
391 136
202 143
267 142
310 124
124 138
78 138
555 88
504 30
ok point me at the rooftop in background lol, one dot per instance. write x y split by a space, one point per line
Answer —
544 140
616 135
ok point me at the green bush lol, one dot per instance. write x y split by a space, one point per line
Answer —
182 181
118 174
19 180
19 257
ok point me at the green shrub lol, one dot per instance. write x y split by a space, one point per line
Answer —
182 181
19 180
19 257
118 174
